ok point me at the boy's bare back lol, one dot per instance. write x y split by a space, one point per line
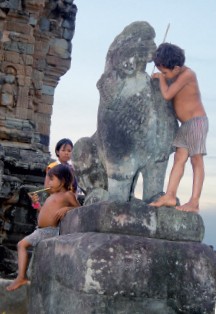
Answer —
55 207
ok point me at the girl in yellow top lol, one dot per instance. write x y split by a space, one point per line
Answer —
63 151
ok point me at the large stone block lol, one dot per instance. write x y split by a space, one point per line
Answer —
15 302
19 27
135 218
85 273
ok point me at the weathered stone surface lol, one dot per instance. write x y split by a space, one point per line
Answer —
15 302
125 258
109 273
90 172
135 218
32 32
135 126
8 260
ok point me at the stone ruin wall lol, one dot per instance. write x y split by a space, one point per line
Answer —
35 51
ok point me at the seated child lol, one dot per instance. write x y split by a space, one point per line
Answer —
60 200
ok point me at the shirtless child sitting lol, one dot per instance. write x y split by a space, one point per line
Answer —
190 141
61 200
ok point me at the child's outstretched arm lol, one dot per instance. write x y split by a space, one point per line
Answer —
170 91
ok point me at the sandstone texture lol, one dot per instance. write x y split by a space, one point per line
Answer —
135 218
13 303
122 266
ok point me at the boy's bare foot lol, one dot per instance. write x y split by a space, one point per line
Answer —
17 283
189 207
165 200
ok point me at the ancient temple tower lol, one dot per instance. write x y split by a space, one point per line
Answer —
35 51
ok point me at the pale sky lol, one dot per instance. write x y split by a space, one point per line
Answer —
98 22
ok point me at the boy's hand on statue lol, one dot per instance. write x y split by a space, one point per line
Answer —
156 75
61 212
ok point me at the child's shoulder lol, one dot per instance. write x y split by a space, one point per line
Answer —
189 72
70 193
186 75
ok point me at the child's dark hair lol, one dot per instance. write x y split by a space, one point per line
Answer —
63 173
169 56
62 142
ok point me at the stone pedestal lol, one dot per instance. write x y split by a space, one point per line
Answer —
125 258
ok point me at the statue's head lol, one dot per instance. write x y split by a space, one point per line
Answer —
132 49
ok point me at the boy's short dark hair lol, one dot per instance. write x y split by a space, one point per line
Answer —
62 172
169 56
63 142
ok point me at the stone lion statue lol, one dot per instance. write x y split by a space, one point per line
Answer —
135 126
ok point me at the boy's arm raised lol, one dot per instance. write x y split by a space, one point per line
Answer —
170 91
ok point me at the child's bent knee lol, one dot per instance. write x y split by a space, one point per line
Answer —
21 244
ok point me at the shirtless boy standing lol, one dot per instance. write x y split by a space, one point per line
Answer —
179 84
61 200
